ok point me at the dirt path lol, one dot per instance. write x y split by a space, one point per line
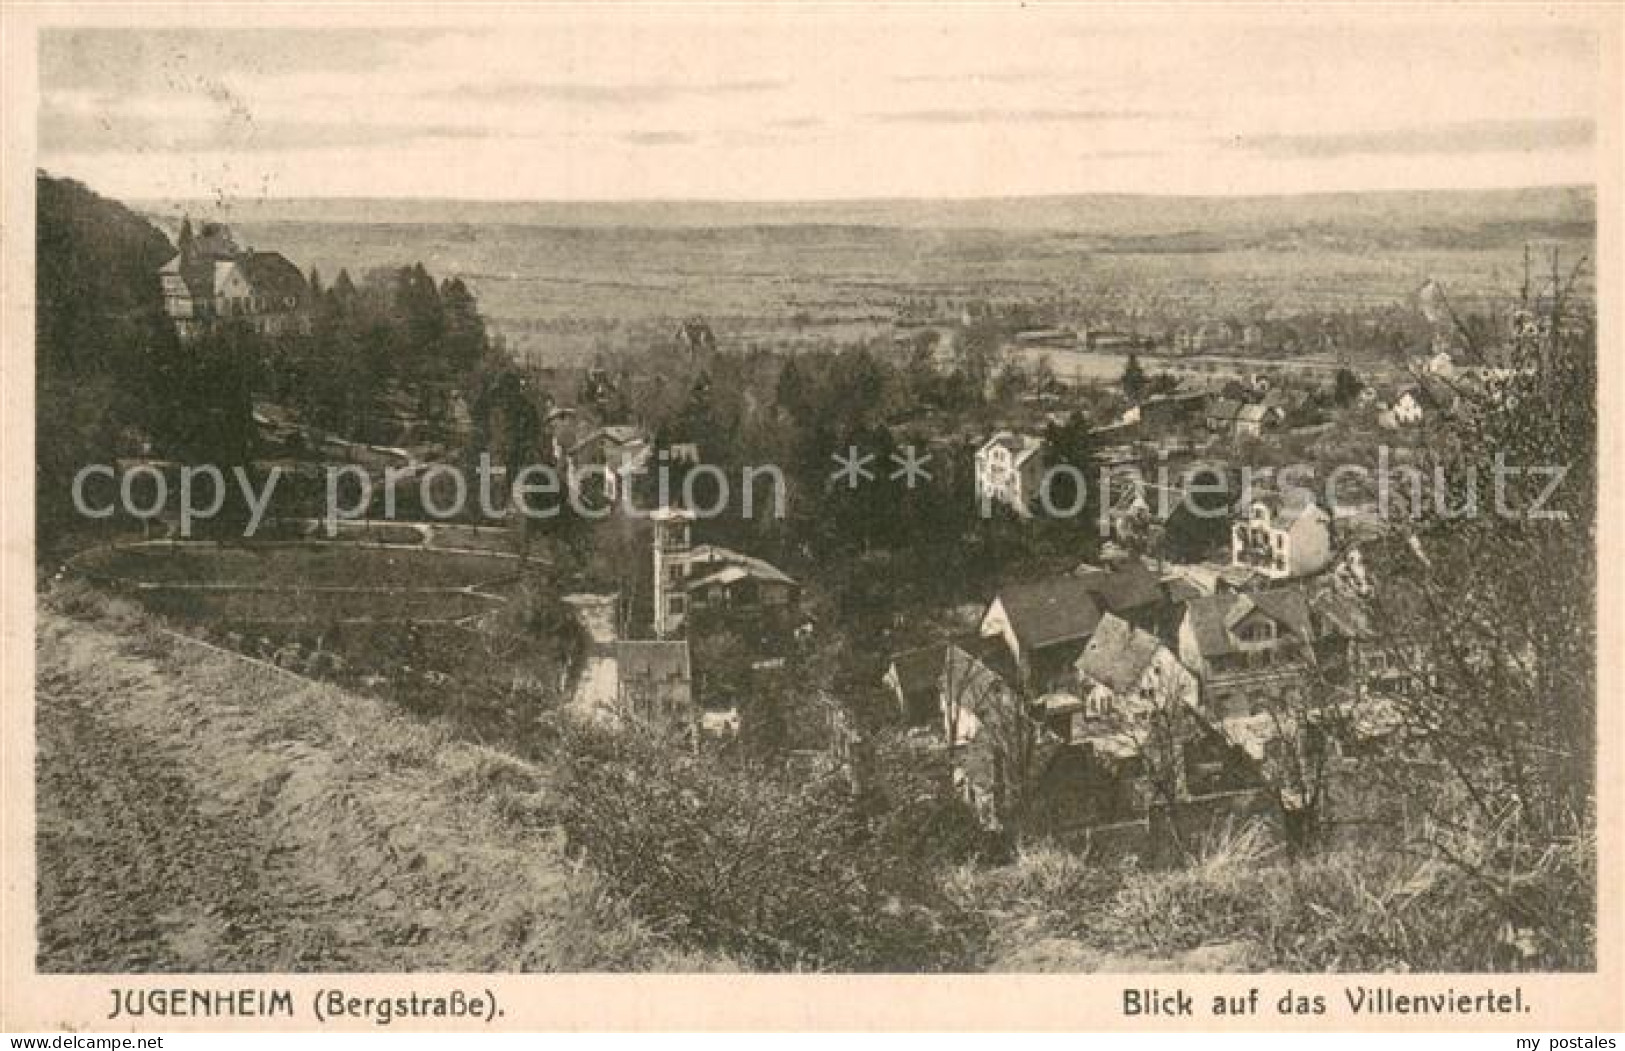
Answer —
123 839
597 688
197 812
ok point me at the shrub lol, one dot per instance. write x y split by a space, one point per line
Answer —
1355 908
731 858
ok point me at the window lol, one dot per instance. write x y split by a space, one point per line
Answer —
1261 631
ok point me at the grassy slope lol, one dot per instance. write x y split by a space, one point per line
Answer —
201 812
1247 906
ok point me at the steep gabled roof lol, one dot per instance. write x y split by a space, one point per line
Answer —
1209 618
615 434
273 275
971 680
1213 617
1118 655
1051 611
1339 614
1287 507
722 558
1067 609
1289 607
1125 588
197 272
1021 446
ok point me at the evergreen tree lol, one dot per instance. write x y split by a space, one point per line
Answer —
465 337
344 293
1345 388
1134 379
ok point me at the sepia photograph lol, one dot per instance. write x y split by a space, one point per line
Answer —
998 490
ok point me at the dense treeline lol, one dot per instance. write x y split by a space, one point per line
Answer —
113 379
99 329
397 329
807 414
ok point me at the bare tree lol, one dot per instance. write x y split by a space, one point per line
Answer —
993 741
1493 621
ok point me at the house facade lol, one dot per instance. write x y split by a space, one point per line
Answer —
690 578
1253 420
211 282
606 460
1125 676
1282 538
1409 408
1009 471
654 681
720 578
1246 649
1044 625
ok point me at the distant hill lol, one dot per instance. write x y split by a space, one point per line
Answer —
561 281
1099 215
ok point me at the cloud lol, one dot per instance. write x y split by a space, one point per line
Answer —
658 138
993 115
796 123
528 92
1482 136
969 77
127 61
68 130
1118 155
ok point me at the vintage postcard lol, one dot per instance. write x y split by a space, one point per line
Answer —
811 516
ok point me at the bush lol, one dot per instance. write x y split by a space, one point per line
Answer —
1350 909
730 858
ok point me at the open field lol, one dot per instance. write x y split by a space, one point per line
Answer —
562 282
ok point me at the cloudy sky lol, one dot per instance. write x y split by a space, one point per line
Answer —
828 102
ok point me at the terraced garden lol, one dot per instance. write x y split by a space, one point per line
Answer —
444 629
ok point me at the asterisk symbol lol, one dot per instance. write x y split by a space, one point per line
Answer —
910 466
854 467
